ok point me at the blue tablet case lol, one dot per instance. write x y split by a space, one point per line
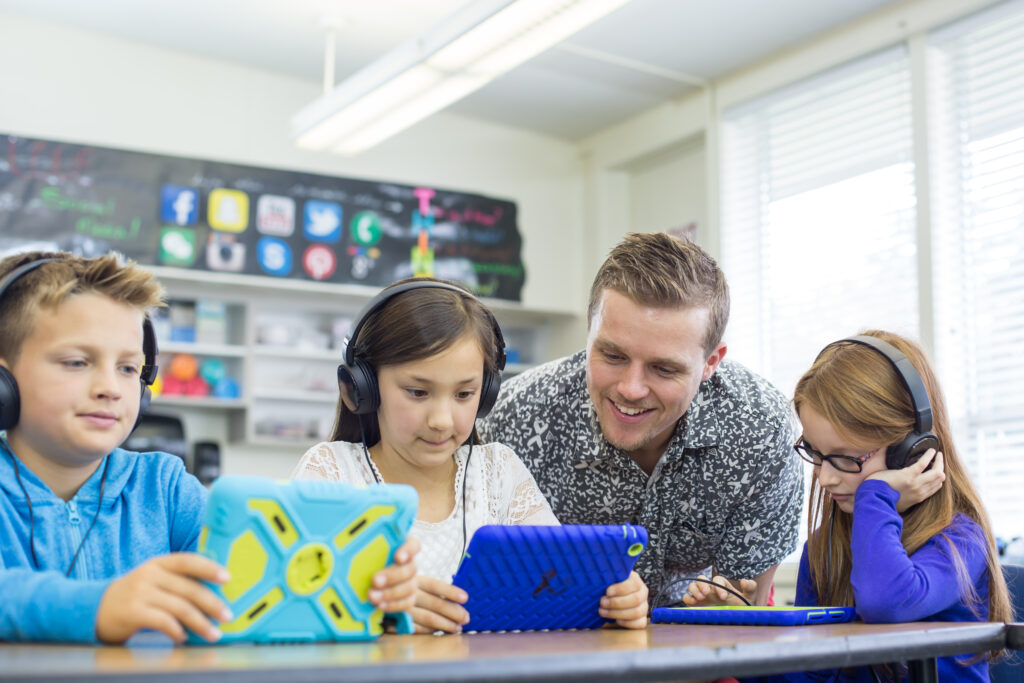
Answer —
544 577
301 555
755 615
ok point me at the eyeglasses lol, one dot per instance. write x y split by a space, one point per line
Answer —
843 463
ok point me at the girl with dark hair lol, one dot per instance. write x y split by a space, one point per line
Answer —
423 362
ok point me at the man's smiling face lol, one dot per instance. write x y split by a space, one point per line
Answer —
644 366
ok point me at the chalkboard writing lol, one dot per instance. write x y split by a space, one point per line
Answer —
207 215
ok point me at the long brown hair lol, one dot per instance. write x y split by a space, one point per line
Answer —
410 326
859 392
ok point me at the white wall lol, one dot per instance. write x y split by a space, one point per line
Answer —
667 189
71 85
67 84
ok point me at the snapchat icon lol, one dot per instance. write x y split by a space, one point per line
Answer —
228 210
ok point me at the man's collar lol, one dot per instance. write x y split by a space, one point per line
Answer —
701 423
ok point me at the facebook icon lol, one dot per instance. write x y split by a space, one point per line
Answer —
179 205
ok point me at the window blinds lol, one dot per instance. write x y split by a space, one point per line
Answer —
818 214
976 170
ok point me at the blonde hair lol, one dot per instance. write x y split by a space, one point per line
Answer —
857 390
659 270
66 275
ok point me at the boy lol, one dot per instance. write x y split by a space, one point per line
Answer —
76 511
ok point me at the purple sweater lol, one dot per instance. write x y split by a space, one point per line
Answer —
890 586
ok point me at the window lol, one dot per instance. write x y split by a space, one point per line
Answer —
976 143
818 214
819 236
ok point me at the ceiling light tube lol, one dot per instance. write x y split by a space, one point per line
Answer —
458 56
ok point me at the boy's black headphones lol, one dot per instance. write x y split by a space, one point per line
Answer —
360 377
911 448
10 398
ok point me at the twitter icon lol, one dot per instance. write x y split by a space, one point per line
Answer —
322 221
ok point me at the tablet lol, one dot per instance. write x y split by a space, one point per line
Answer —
754 615
301 555
544 577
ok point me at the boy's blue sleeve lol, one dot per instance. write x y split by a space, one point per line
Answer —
187 505
47 606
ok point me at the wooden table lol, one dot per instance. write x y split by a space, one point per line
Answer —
658 653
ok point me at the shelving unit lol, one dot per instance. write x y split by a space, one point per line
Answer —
282 347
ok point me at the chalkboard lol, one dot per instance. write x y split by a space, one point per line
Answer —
207 215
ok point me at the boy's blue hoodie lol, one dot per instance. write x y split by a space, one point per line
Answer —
151 507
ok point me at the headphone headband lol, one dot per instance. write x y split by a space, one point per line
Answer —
908 374
21 270
361 377
388 293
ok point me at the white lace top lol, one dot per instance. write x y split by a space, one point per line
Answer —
499 490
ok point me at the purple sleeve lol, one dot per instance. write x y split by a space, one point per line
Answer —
888 584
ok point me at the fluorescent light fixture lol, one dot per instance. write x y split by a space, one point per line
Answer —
481 41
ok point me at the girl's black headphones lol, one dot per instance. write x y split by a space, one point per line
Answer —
10 398
360 377
911 448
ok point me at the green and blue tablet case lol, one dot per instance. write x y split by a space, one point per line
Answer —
301 555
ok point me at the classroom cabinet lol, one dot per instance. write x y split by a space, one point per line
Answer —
253 360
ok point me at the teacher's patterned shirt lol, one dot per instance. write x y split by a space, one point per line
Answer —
725 495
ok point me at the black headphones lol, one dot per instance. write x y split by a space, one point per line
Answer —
360 377
911 448
10 398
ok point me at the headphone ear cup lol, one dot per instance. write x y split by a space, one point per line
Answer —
489 389
10 399
361 381
907 452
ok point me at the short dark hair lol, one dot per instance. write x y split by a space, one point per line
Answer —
658 270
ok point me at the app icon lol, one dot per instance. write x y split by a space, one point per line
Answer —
322 221
275 256
179 205
225 252
275 215
228 210
177 246
365 228
319 262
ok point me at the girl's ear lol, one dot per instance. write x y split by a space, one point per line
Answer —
346 398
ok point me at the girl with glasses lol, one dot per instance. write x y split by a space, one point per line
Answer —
908 544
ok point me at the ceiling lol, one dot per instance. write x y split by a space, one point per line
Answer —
643 54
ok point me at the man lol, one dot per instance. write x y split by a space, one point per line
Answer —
648 425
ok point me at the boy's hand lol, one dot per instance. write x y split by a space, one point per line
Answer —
164 594
626 602
394 587
439 607
700 594
915 482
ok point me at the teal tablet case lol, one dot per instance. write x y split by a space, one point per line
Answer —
544 577
755 615
301 555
